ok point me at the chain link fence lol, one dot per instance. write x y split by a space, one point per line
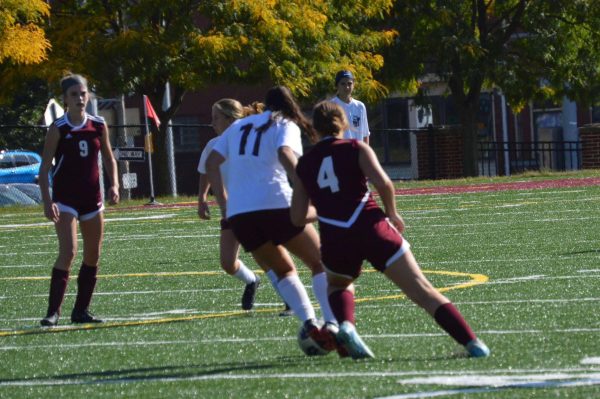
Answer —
129 142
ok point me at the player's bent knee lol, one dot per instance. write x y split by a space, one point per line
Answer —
229 268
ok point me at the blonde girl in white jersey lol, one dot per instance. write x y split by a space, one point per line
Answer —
224 112
261 152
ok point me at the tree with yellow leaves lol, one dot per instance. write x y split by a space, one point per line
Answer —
138 46
22 39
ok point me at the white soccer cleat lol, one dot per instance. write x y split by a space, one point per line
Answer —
476 348
349 339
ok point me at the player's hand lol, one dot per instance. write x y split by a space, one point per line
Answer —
397 221
51 212
113 195
203 210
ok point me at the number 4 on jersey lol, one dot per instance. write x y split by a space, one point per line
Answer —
327 177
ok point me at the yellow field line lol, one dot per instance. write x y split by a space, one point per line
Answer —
154 274
45 330
475 279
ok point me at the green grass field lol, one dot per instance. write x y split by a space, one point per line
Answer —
523 266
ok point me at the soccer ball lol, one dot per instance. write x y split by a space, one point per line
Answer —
308 345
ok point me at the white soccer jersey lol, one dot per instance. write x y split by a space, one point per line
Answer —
356 112
257 180
204 156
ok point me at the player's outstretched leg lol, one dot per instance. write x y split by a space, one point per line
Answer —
407 275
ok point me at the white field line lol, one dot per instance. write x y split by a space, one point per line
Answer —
211 244
154 237
123 238
492 383
490 303
590 360
130 379
534 382
390 291
424 211
240 340
497 260
505 222
449 214
108 219
160 232
530 247
520 280
23 266
124 293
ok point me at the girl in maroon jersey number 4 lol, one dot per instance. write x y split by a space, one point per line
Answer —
74 142
333 177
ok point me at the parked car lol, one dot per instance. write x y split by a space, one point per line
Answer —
19 166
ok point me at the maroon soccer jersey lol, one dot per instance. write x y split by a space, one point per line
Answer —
352 226
334 182
75 176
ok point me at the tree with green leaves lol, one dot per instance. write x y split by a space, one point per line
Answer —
136 47
531 50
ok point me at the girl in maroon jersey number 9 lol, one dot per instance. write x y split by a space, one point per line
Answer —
74 141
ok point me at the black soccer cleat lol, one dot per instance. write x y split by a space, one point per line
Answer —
287 311
83 317
50 320
250 294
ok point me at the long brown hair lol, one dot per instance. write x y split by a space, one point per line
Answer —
281 102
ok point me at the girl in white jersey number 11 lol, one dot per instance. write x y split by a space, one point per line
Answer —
261 151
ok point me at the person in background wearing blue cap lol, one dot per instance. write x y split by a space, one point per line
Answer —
356 112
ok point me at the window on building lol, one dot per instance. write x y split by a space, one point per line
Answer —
596 114
186 134
391 146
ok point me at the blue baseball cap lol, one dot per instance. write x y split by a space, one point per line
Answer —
343 74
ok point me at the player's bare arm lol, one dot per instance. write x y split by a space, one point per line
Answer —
287 158
370 166
111 166
203 186
215 179
51 143
301 212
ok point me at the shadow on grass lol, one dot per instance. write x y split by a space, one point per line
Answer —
589 251
165 373
36 329
210 371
